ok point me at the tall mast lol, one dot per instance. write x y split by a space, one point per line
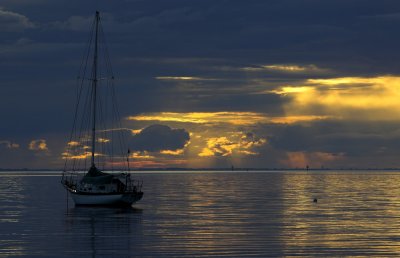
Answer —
94 87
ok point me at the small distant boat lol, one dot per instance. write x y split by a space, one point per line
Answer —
96 168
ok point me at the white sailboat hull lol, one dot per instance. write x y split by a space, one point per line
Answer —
105 199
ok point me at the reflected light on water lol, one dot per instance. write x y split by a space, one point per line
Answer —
355 213
211 214
12 201
220 214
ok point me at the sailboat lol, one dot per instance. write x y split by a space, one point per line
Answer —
96 170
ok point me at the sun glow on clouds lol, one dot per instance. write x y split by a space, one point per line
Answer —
212 135
374 98
290 89
233 118
236 118
172 152
147 159
38 145
222 135
84 155
244 144
103 140
141 155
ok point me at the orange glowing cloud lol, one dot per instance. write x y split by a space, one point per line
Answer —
38 145
84 155
141 155
172 152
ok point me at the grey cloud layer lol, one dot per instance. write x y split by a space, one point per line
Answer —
41 45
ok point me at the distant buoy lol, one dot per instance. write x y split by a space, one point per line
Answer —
315 200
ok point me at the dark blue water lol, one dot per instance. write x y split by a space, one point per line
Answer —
246 214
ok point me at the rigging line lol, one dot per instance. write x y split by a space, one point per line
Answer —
106 53
118 119
81 134
120 140
78 134
79 91
102 118
73 132
84 131
109 122
113 125
88 43
109 77
123 146
102 124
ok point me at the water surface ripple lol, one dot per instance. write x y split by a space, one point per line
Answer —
223 214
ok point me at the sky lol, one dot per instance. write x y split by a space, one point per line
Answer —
210 83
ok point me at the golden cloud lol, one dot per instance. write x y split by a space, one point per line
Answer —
236 118
84 155
299 118
141 155
233 118
243 144
38 145
373 98
73 143
136 131
172 152
103 140
291 89
218 146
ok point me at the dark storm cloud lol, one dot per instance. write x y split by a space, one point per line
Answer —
42 42
159 137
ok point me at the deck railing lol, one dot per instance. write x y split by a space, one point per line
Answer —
72 179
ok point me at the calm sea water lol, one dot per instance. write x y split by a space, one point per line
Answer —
246 214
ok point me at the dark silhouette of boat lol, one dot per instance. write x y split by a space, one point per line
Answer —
96 137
